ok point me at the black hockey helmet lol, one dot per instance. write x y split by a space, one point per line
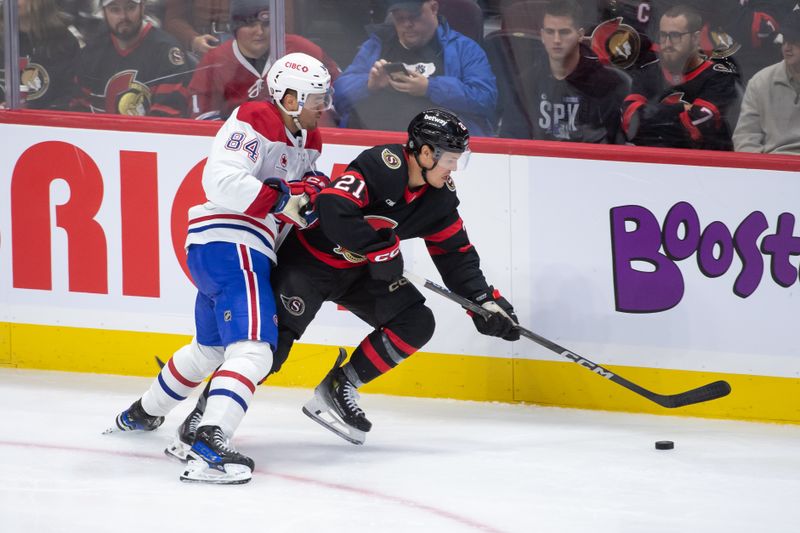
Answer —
441 130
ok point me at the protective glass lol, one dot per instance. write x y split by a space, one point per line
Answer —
454 161
319 101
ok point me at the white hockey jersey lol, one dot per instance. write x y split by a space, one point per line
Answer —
252 145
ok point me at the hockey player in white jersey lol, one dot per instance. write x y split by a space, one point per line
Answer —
259 175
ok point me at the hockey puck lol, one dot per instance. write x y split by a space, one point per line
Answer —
664 445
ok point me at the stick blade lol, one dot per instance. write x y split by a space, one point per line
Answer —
706 393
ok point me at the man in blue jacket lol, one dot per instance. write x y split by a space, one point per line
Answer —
415 63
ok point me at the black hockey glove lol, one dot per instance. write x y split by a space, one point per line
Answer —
385 262
503 319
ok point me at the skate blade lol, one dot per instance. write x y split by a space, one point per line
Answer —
319 412
199 472
178 450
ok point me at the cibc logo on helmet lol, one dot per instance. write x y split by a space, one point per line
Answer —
296 66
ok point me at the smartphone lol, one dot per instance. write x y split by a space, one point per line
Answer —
395 68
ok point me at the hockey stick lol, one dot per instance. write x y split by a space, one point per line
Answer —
708 392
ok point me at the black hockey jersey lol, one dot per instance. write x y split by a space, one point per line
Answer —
149 78
372 194
698 109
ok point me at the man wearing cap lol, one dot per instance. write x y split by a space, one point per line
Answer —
769 121
235 71
431 65
133 68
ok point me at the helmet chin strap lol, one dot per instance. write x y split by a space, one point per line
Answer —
423 169
294 114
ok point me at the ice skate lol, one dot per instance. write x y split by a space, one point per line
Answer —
334 405
185 435
212 459
134 418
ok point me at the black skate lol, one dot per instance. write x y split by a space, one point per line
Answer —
334 405
134 418
184 437
212 459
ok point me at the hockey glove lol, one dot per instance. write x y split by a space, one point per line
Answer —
311 184
385 262
503 319
288 207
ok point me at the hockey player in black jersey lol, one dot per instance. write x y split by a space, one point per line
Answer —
387 194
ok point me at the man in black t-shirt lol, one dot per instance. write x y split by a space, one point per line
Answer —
434 66
570 96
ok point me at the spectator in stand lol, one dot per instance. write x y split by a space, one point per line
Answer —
770 118
440 68
571 98
48 50
235 72
133 68
699 104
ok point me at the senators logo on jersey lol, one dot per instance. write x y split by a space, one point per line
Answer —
124 95
616 43
377 222
35 79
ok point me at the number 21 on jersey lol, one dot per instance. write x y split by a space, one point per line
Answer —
352 185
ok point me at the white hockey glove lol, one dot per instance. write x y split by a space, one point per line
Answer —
288 207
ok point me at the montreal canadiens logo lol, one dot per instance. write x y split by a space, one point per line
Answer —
294 304
390 159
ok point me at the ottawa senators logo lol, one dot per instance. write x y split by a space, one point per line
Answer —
450 183
616 43
294 304
390 159
377 222
125 95
175 56
36 80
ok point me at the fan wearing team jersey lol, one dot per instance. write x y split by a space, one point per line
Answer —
260 171
699 102
133 68
235 71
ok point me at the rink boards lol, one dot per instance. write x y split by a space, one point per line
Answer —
672 268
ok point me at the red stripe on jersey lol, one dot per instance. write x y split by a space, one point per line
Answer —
409 196
165 110
178 376
400 343
235 375
326 258
169 88
435 250
636 101
373 356
264 201
249 220
691 129
711 107
465 248
252 292
446 233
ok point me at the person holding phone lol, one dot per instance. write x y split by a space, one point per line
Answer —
413 63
